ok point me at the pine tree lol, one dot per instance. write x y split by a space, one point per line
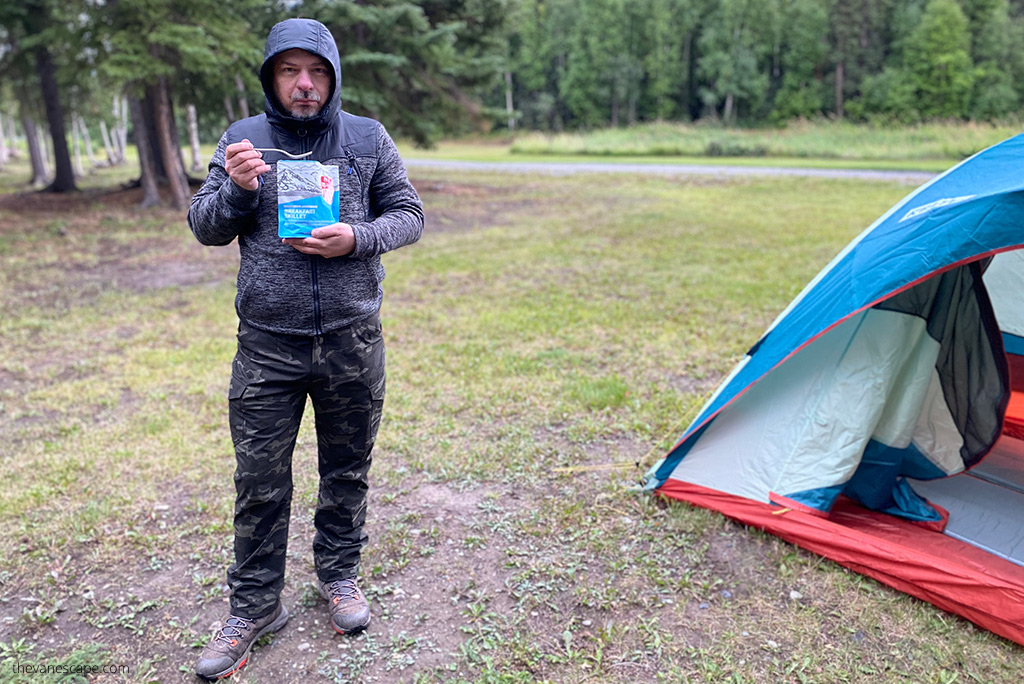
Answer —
159 48
34 30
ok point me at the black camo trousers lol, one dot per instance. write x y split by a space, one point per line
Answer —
342 372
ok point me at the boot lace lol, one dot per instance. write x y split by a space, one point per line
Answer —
341 590
232 630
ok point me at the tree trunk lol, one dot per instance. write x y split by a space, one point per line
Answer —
243 102
35 153
11 141
840 74
64 179
727 109
229 110
509 110
3 144
108 144
692 95
46 145
12 138
193 138
149 107
165 130
175 138
150 192
150 110
122 128
87 139
119 134
79 171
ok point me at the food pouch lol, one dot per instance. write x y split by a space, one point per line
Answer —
307 197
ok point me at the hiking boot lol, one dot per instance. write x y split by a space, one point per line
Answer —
350 612
229 648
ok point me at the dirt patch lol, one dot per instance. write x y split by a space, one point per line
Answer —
459 208
434 498
58 202
689 384
7 379
97 241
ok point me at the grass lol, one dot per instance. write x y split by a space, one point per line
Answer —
801 140
829 145
544 336
503 151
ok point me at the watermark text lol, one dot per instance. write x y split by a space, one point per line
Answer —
68 669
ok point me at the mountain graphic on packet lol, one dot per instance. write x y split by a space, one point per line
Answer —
307 197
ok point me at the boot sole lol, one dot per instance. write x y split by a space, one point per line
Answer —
346 632
240 663
354 630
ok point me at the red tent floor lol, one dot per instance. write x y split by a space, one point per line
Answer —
1014 422
950 573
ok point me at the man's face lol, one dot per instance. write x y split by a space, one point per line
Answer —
302 82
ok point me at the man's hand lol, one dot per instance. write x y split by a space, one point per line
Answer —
330 241
244 165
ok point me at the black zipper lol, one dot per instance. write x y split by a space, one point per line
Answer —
313 259
317 323
352 166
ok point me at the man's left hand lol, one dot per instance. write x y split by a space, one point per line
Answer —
330 241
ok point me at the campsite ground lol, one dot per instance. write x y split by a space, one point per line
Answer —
545 337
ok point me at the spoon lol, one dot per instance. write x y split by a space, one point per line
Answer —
287 154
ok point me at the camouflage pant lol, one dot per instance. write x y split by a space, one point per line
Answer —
343 373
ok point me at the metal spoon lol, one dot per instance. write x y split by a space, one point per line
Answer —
287 154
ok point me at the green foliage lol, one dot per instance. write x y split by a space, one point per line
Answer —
800 94
938 61
995 35
434 68
195 43
732 44
420 66
578 64
890 95
664 61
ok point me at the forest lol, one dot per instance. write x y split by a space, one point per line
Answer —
81 76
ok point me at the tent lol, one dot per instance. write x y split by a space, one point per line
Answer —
879 421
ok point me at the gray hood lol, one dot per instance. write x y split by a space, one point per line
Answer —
312 36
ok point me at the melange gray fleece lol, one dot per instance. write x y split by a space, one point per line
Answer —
279 288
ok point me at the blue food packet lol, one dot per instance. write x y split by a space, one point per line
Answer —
307 197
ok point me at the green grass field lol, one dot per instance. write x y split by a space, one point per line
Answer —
545 336
823 141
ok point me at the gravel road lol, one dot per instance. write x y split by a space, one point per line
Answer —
564 169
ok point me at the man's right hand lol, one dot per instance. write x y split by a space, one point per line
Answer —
244 165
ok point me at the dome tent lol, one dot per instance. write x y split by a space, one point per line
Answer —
877 421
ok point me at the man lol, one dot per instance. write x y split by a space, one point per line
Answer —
309 325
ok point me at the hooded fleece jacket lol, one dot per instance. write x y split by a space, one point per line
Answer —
280 289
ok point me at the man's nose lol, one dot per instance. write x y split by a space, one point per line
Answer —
304 82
